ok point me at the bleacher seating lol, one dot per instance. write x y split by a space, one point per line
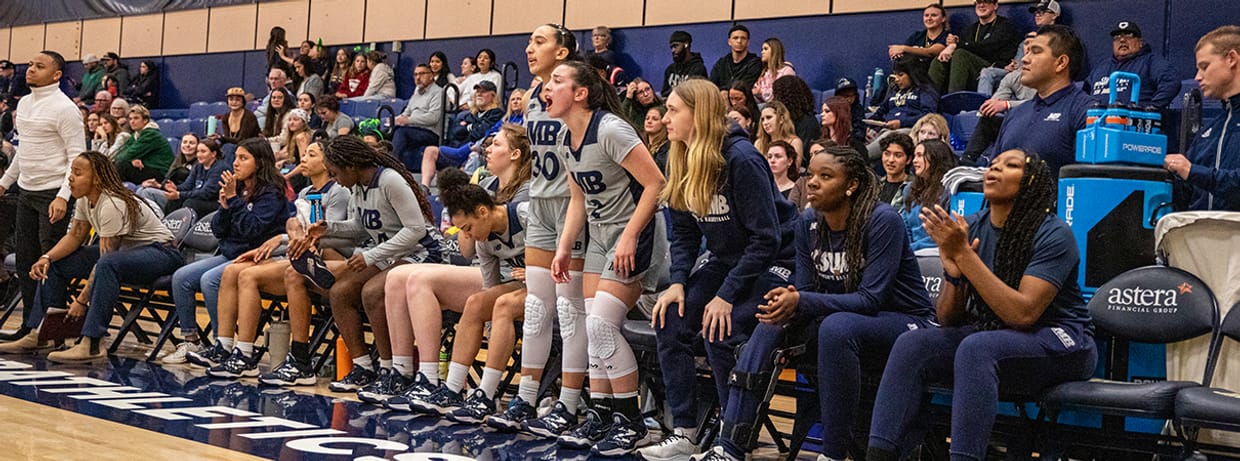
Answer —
961 101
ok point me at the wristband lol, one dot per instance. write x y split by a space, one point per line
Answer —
45 256
955 281
1008 105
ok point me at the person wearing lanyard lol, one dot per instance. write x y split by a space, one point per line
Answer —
990 42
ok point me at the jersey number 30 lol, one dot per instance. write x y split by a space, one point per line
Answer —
546 165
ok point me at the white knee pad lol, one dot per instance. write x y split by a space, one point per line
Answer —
572 318
568 317
535 316
602 337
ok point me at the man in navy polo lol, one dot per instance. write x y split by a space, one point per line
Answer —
1047 125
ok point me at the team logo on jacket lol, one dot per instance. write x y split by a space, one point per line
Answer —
720 211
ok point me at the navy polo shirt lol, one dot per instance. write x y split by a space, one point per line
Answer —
1045 126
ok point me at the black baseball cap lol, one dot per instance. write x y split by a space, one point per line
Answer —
486 85
1126 27
845 83
6 64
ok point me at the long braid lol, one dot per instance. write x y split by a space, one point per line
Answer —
109 182
1033 202
349 151
864 199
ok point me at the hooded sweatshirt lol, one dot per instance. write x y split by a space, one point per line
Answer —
1159 84
677 72
1214 181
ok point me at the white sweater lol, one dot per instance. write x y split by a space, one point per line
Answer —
50 129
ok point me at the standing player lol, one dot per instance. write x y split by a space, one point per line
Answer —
615 190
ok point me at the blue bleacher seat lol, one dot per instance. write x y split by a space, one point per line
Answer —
962 126
199 110
174 143
198 126
169 113
961 101
818 99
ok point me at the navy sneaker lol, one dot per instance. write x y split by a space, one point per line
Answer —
388 384
553 424
475 409
514 417
290 372
442 401
357 378
586 434
210 357
623 437
236 366
312 267
419 389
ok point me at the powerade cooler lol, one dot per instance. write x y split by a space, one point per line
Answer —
1112 199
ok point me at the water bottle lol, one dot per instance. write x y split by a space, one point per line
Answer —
277 342
1095 113
1117 117
1155 120
869 87
443 364
316 206
212 123
879 84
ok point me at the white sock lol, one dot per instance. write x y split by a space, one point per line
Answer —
385 363
403 364
431 371
364 361
490 381
457 373
570 397
246 348
226 343
688 432
528 391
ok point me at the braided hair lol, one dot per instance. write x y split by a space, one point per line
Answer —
1034 200
108 181
351 152
864 199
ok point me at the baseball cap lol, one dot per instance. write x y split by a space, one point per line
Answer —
1126 27
112 55
1045 5
486 85
235 91
845 83
681 36
6 64
89 58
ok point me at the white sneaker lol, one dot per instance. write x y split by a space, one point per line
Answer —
674 447
183 349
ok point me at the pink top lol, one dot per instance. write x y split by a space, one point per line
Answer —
762 88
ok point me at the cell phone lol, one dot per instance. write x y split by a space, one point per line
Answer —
286 169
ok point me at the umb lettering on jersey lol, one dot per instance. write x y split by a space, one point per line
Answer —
591 182
545 132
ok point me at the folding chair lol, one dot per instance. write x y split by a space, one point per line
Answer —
1199 408
200 243
180 222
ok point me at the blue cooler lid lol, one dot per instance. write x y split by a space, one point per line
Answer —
1113 171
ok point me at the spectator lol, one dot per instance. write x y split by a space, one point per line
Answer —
108 138
776 125
92 122
116 77
306 102
796 95
910 99
1208 175
382 78
278 105
40 168
1045 13
12 83
486 112
276 58
931 126
120 111
782 158
201 189
685 65
318 56
356 81
774 67
932 159
276 79
92 80
1047 125
296 138
639 97
600 40
144 88
836 125
655 136
740 94
340 70
743 118
439 65
1129 53
134 247
311 82
847 88
989 42
485 62
739 65
896 159
103 102
924 45
467 68
147 155
183 162
421 123
239 123
334 122
1010 94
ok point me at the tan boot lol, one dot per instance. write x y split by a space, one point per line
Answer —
26 345
79 353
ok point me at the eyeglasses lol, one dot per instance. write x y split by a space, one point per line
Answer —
1121 37
419 74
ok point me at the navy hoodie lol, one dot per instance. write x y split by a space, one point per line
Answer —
750 226
1159 86
246 224
908 106
1215 154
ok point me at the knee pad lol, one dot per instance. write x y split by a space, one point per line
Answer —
568 315
535 316
603 337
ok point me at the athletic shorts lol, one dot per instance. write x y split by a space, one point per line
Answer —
650 262
546 224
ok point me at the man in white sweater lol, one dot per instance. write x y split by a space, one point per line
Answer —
50 130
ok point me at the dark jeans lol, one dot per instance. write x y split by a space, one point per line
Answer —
985 134
33 236
130 173
138 265
1027 361
677 337
408 142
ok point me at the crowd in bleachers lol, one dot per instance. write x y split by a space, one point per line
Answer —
579 196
